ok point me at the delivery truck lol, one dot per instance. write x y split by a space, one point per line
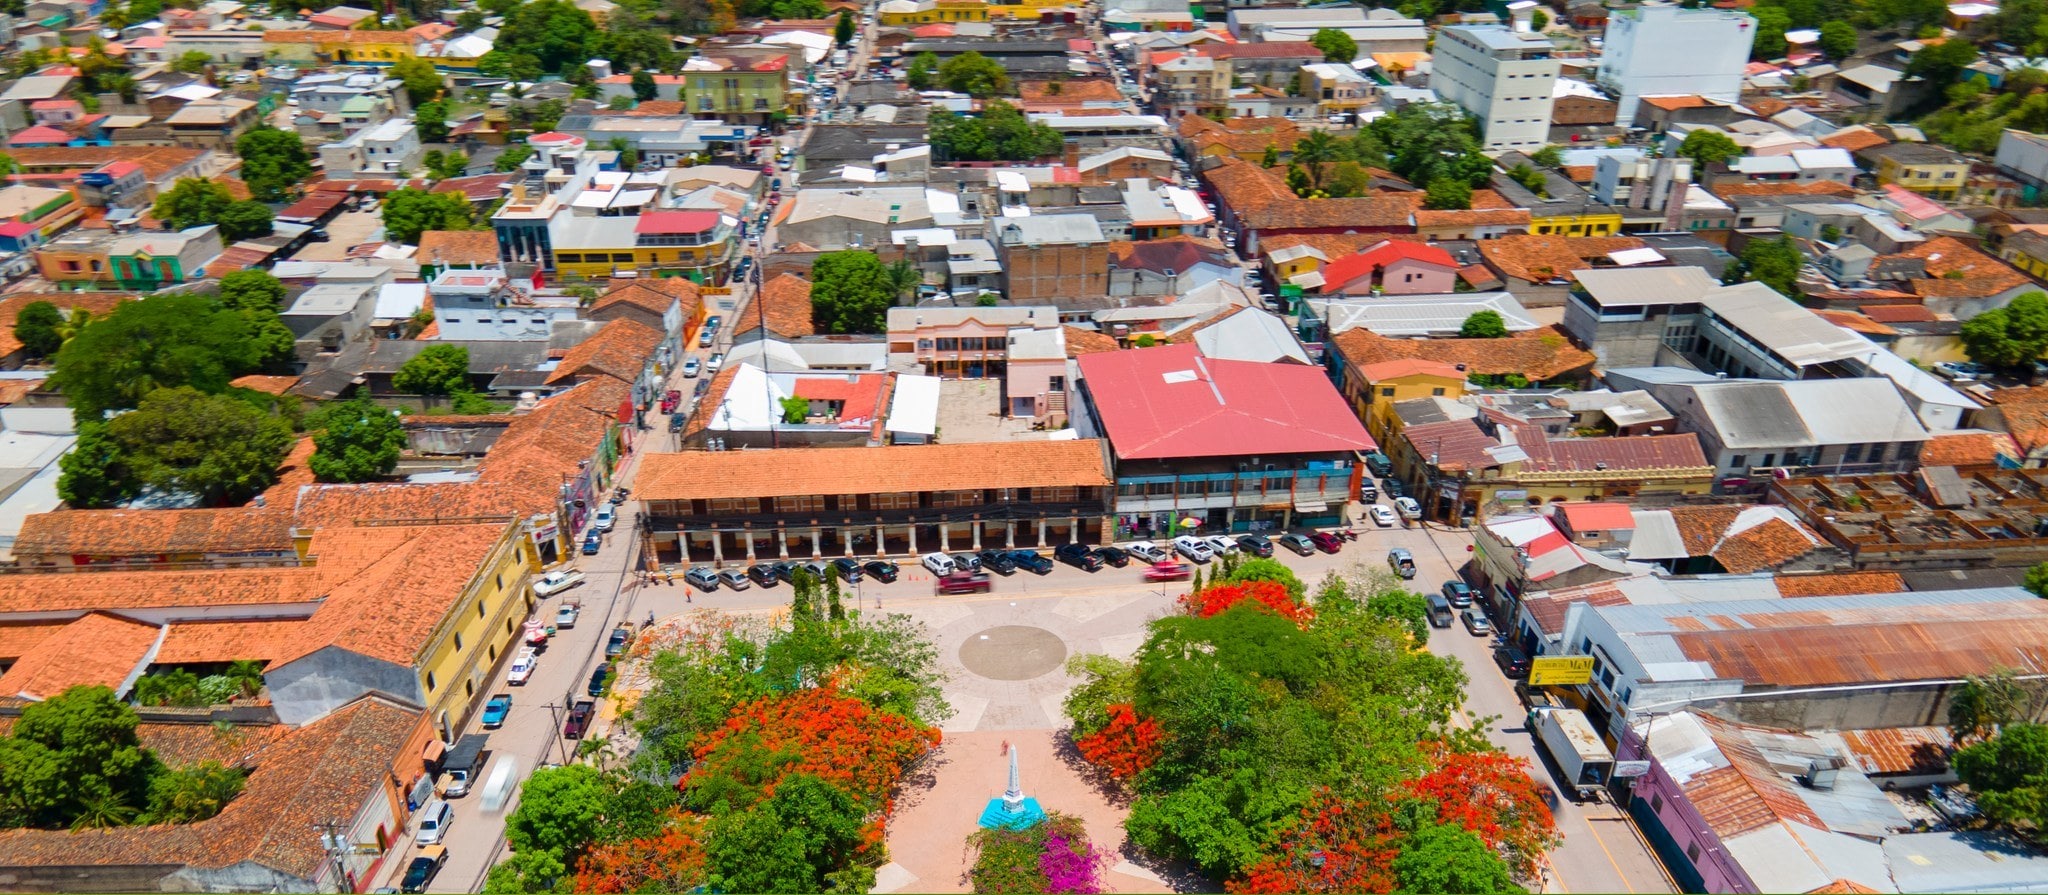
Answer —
1583 763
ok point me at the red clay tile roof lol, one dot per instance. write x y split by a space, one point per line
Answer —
269 385
1172 253
1538 258
1540 354
654 296
2025 411
1306 214
1341 272
1408 366
1578 173
1767 106
1840 584
1855 322
1674 103
1854 140
99 304
1548 608
123 533
791 472
1471 217
1087 341
1899 313
203 642
432 566
458 248
786 302
1968 448
1586 455
620 349
1765 546
1244 187
96 649
1816 188
1076 91
1956 269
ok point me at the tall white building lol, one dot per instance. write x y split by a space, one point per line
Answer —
1501 76
1659 49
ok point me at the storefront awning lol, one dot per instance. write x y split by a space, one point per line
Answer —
1318 507
433 751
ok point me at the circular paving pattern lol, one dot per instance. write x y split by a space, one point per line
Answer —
1013 653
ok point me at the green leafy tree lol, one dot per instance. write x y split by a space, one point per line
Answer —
1262 569
1985 704
191 202
1446 858
357 441
511 158
437 370
1402 606
2037 580
553 33
1772 262
2009 337
275 163
192 62
1838 39
244 220
218 448
74 760
634 43
1483 325
1336 45
36 327
1707 147
8 166
194 793
444 165
1105 681
162 341
1539 21
643 85
2009 774
923 73
251 290
851 292
409 212
95 473
560 810
432 120
422 82
1942 63
795 409
842 30
1447 195
975 75
1771 25
796 841
528 873
1432 141
1530 179
1550 157
999 133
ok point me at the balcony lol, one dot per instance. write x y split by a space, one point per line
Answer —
1019 511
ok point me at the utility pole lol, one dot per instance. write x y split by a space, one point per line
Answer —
556 733
331 841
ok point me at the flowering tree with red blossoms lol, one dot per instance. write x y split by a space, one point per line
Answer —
1492 795
672 861
1334 846
837 739
1271 594
1125 746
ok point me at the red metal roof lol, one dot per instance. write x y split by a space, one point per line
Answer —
313 207
40 134
1173 402
676 222
1346 269
1597 516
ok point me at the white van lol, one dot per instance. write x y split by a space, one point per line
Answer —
939 564
434 820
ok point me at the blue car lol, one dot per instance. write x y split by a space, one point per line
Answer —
591 543
496 710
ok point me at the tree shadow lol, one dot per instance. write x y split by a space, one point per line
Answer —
920 778
1103 782
1177 875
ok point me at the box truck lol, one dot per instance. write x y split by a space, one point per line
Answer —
1583 762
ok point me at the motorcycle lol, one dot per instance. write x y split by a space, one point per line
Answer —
1347 534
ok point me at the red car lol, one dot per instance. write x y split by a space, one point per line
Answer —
1169 571
1326 542
963 583
671 400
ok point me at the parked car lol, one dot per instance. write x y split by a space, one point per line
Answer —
881 570
1458 592
963 583
579 719
616 645
1402 562
1326 542
1475 622
702 578
1219 545
566 615
422 869
938 564
1962 372
1381 515
1147 551
968 562
434 820
675 423
847 568
704 337
557 581
1368 492
1300 544
592 542
693 366
733 578
605 518
597 679
1511 661
1378 464
991 560
1115 556
715 321
1256 545
819 570
1169 571
1078 556
522 667
1408 508
786 570
717 361
1031 561
496 710
1194 548
763 574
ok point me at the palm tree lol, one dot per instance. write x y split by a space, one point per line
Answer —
1312 151
902 276
247 675
101 811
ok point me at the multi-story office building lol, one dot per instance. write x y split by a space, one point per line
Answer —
1660 49
1503 77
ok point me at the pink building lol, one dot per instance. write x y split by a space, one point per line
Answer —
1393 267
1025 347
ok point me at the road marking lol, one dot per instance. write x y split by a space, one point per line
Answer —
1603 850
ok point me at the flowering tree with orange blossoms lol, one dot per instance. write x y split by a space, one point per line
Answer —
1126 746
671 861
1271 594
837 739
1492 795
1334 846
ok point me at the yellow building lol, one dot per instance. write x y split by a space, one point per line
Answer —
909 13
340 47
2028 251
694 243
1025 10
1372 390
484 623
1920 167
1559 222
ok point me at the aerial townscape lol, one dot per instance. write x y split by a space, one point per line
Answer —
1024 446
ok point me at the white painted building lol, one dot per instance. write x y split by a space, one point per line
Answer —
1506 79
1659 49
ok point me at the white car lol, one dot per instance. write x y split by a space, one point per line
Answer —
565 617
1194 548
557 581
1408 508
1381 516
1147 551
522 666
605 519
1220 545
939 564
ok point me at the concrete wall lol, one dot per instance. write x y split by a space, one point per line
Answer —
307 688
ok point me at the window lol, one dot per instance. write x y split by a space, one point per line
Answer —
1056 383
430 682
1436 392
1387 392
949 344
1738 461
1692 852
1657 803
1877 453
1852 454
458 641
480 603
1769 460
